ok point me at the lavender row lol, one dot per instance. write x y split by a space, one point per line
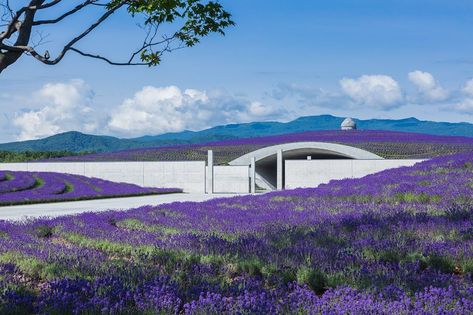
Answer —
387 144
34 187
16 182
158 296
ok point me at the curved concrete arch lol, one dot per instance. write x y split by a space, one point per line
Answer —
340 150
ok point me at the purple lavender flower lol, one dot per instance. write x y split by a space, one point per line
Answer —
396 242
388 144
33 187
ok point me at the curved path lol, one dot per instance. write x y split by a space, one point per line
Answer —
74 207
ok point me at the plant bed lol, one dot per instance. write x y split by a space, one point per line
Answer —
21 188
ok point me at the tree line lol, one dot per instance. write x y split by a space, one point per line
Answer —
10 157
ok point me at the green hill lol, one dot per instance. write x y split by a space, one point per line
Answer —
79 142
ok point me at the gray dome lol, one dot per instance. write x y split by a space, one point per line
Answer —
348 124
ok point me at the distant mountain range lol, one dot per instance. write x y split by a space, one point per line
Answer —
78 142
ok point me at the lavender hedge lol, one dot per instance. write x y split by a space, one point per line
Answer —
20 182
36 187
387 144
397 242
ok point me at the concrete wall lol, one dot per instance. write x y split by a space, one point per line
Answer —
311 173
189 176
209 173
231 179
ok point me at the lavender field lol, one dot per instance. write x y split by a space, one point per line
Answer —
397 242
388 144
37 187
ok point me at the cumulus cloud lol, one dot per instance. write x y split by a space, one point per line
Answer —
427 86
375 91
59 107
465 104
155 110
258 109
468 88
64 106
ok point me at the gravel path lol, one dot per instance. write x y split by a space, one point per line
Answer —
74 207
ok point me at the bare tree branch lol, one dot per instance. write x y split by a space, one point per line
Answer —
7 11
197 19
87 31
68 46
43 6
129 63
39 39
24 34
63 16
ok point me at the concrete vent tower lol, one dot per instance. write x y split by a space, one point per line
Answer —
348 124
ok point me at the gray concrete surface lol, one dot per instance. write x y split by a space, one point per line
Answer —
74 207
307 148
187 175
269 161
312 173
231 179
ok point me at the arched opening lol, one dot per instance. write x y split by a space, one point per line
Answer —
266 159
266 167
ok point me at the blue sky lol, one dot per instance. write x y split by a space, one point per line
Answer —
283 59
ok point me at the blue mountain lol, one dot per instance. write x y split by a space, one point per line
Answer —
78 142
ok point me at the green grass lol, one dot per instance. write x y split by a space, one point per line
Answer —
69 187
44 231
107 246
412 197
135 224
39 182
284 198
32 266
315 279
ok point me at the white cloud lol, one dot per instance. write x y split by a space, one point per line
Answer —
468 88
155 110
59 107
427 86
258 109
465 106
375 91
64 107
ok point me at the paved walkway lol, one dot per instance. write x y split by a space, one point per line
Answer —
74 207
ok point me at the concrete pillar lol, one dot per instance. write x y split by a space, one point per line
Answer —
210 172
253 175
279 184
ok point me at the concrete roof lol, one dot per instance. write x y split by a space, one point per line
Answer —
314 147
